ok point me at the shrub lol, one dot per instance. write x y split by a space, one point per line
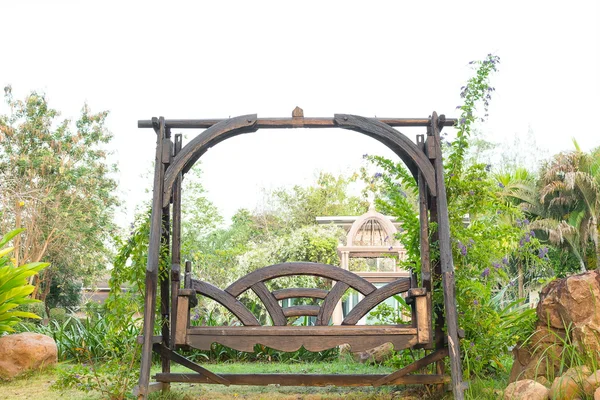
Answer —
14 288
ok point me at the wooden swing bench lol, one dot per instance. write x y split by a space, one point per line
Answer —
321 336
423 160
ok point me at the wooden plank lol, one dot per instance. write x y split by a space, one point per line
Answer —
226 300
198 146
152 387
300 268
411 155
275 123
183 320
270 302
291 343
292 330
423 320
294 293
305 379
415 366
152 260
447 266
176 248
330 302
374 298
299 311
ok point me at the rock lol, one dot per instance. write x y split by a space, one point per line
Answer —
573 302
376 355
568 307
526 389
542 380
592 383
570 385
542 356
24 352
597 394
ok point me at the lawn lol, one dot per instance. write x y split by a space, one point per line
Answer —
39 385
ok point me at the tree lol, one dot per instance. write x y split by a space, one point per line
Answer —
301 205
57 184
570 191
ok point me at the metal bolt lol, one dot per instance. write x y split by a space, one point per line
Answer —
249 120
345 118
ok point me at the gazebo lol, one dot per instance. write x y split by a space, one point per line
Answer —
371 236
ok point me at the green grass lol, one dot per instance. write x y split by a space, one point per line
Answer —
38 385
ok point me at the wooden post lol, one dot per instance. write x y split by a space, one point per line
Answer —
424 238
153 261
447 265
176 248
164 275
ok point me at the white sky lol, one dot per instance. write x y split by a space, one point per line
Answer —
219 59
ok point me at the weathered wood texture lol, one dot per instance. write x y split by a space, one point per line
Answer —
305 379
226 300
447 267
278 316
330 302
404 148
225 129
309 122
300 268
294 293
152 261
299 311
289 339
415 366
374 298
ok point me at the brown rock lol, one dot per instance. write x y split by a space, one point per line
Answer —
24 352
526 389
592 383
597 394
570 385
376 355
568 307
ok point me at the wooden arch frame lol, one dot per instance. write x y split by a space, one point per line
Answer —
423 159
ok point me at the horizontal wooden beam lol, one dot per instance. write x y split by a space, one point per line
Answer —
305 379
316 331
277 123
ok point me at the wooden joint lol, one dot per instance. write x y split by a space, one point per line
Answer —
416 292
167 151
187 292
175 272
298 117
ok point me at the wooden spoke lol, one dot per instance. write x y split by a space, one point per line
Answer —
370 301
300 268
270 303
226 300
299 311
330 302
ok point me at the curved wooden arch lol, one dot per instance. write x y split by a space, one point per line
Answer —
300 268
374 298
404 148
330 302
226 300
409 153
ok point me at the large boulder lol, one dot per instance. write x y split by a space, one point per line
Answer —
24 352
569 310
526 389
573 303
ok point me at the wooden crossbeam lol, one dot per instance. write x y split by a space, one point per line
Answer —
305 379
276 123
